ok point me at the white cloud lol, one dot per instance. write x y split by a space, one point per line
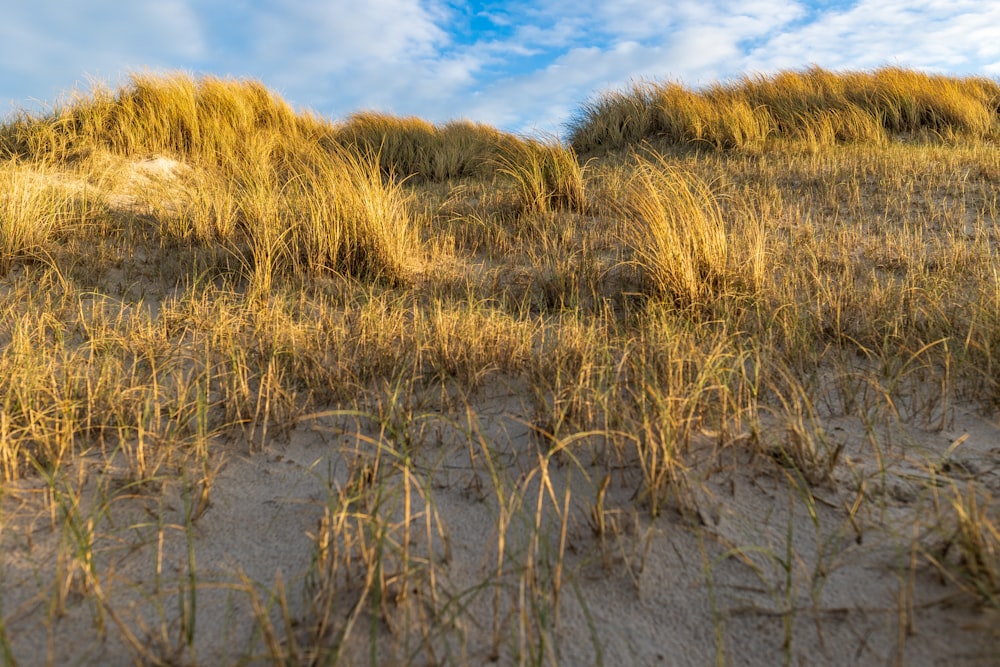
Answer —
950 35
351 32
633 39
58 45
338 57
700 42
537 63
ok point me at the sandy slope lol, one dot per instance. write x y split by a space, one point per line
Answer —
739 562
747 564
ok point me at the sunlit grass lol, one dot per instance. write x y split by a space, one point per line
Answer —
814 105
190 270
413 147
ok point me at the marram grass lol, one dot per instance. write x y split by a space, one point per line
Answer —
273 185
415 148
815 106
192 272
204 119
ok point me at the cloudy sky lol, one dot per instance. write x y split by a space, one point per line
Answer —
522 65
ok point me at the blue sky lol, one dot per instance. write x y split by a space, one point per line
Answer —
524 65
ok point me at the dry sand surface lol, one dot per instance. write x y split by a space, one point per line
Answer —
741 568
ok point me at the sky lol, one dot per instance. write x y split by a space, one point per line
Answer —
524 65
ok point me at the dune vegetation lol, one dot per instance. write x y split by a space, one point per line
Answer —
814 107
733 350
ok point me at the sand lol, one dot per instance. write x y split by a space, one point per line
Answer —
740 568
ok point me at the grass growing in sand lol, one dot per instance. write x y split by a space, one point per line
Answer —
487 397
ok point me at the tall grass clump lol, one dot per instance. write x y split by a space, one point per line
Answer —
267 184
309 210
614 119
412 147
673 113
366 229
401 143
35 207
204 118
675 230
719 118
970 552
547 175
815 106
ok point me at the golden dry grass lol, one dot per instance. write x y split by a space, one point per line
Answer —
659 308
814 105
412 147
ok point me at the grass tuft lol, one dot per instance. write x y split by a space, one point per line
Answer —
36 207
547 175
675 230
814 106
205 119
413 147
